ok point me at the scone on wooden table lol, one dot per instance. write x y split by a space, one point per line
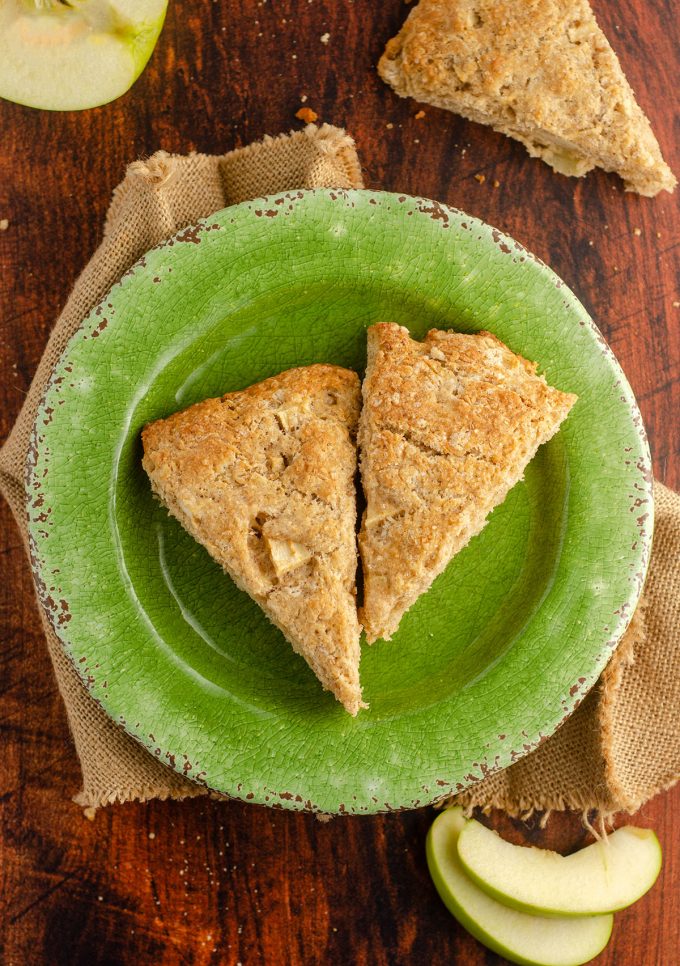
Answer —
264 480
540 71
447 428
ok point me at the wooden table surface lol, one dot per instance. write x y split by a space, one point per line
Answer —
204 882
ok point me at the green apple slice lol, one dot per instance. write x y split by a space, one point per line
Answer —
601 878
63 56
521 938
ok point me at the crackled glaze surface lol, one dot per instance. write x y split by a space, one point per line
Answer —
510 637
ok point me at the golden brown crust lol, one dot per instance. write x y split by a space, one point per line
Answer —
264 479
540 71
447 428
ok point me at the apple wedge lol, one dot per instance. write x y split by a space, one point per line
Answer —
601 878
70 56
521 938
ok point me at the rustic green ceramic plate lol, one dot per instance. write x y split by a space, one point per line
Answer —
506 642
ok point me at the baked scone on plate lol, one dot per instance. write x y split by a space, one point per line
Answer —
540 71
448 427
264 480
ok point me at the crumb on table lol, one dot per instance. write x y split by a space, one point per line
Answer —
307 115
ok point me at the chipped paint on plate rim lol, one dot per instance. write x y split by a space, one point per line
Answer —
487 664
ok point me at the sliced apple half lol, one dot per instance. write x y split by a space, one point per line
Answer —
521 938
67 56
601 878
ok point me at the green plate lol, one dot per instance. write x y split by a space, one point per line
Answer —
506 642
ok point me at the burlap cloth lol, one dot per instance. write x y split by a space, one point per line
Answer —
620 747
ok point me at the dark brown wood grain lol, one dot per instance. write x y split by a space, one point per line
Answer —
204 882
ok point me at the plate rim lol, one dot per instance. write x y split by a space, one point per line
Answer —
437 210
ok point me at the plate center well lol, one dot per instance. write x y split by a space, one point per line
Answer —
470 618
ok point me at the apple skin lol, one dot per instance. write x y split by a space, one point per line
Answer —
457 891
552 869
61 58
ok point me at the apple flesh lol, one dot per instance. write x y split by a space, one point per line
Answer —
521 938
69 57
601 878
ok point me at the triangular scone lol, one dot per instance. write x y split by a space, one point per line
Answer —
447 428
540 71
264 480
